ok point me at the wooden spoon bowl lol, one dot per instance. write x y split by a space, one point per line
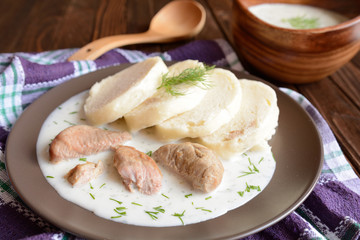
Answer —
296 55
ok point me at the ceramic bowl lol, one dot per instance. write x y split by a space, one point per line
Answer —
296 55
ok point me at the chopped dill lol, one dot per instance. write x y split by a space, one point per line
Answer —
82 159
102 185
252 169
120 213
179 216
261 160
137 204
159 209
152 214
208 198
248 189
149 153
190 76
49 176
188 195
246 173
92 196
165 196
74 112
120 208
115 200
91 187
302 22
203 209
72 124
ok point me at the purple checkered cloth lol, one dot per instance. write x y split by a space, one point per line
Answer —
332 210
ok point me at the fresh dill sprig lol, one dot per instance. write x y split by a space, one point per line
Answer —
190 76
301 22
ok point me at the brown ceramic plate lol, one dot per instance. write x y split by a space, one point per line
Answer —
296 146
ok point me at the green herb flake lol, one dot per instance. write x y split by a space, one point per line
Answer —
91 187
190 76
137 204
246 173
159 209
55 122
249 188
208 198
179 216
261 160
70 123
116 216
118 212
115 200
203 209
120 208
83 159
165 196
152 214
188 195
74 112
102 185
302 22
49 176
92 196
149 153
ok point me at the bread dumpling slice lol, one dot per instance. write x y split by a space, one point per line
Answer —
220 104
162 105
114 96
254 123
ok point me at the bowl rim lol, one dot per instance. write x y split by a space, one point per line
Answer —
337 27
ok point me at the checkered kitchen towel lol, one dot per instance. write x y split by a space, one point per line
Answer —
332 211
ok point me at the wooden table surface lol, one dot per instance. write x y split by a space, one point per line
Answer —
40 25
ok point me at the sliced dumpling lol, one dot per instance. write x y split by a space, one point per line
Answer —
116 95
220 104
162 105
254 123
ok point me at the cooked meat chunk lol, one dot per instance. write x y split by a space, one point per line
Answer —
82 140
196 163
84 173
137 168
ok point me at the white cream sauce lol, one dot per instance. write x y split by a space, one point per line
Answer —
281 15
175 197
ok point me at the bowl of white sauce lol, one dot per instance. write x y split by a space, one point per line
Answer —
296 41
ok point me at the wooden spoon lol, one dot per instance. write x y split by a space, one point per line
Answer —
177 20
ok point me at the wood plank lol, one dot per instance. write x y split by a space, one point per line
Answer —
340 113
347 79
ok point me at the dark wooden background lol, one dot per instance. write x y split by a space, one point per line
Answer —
40 25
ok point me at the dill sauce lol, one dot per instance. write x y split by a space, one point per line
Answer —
245 176
296 16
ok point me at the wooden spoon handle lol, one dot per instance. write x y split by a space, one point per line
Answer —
94 49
